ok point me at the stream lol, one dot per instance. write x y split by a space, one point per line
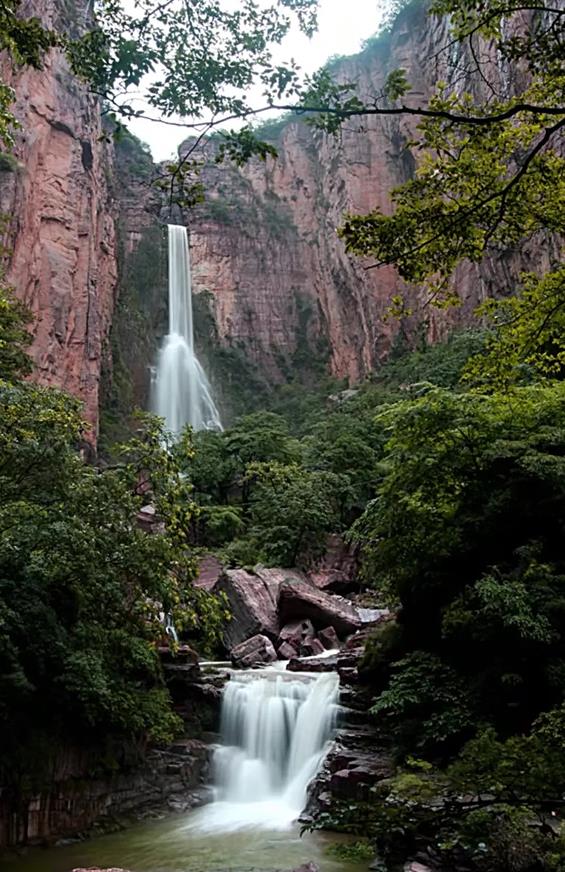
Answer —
172 845
276 728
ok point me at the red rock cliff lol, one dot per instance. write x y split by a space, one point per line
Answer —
284 294
60 234
265 245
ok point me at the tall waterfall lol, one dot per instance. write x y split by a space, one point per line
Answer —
181 393
274 735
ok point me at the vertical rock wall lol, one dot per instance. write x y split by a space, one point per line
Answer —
60 233
276 294
265 246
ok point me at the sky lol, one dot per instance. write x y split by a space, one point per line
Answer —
343 25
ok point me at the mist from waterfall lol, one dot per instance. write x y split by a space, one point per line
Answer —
181 392
275 730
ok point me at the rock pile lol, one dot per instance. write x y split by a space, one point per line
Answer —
283 614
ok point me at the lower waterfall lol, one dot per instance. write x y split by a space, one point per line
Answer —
275 730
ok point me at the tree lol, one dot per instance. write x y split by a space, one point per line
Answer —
466 530
14 337
82 586
347 445
497 807
525 342
292 513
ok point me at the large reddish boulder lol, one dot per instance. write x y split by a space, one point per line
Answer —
253 606
253 652
338 569
324 610
253 601
209 572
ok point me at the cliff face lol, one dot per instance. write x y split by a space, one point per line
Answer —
276 294
60 233
265 244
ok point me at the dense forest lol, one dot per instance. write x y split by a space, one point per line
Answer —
444 467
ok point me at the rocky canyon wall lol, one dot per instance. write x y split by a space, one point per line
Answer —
265 245
277 297
60 230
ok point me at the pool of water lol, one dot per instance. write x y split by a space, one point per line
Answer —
173 845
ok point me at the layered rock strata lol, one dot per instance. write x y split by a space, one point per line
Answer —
78 801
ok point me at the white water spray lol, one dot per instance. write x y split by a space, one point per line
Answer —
275 731
181 393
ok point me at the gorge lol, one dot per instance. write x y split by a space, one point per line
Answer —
314 311
282 440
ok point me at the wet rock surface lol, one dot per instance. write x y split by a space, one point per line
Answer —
98 869
358 758
79 804
299 601
257 651
317 664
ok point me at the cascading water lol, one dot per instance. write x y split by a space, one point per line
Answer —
181 393
275 731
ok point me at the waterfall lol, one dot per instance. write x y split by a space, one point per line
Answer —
181 393
275 729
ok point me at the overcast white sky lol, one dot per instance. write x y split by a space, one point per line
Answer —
343 25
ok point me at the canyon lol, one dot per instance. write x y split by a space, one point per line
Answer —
277 296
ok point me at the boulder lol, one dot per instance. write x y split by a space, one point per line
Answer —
286 651
414 866
348 674
346 786
322 664
311 647
297 632
372 616
209 572
328 638
98 869
324 610
274 577
253 601
307 867
253 605
257 650
338 569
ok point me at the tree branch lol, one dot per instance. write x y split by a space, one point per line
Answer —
502 194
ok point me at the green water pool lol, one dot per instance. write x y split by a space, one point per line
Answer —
170 845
